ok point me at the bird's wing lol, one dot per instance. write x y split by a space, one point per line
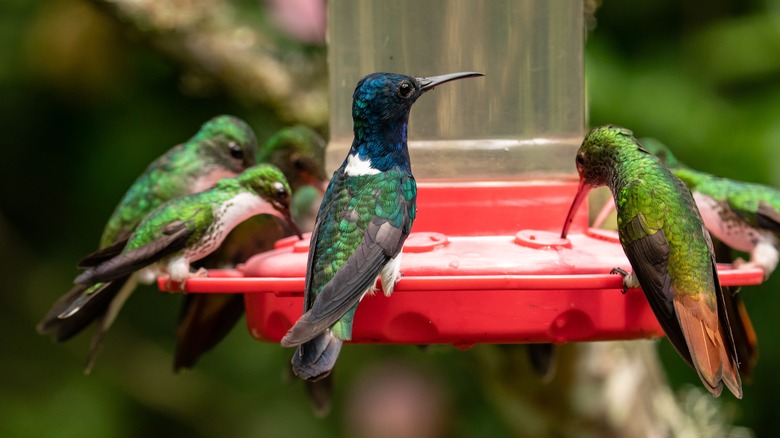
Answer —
648 252
382 240
172 238
345 289
103 254
757 204
768 217
348 285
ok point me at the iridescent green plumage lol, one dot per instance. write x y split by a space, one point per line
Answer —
744 216
223 147
668 247
388 196
206 319
188 228
299 152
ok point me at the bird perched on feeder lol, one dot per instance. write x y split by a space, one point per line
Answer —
205 320
744 216
669 249
223 147
363 221
187 229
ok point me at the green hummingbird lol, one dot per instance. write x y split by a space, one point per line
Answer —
744 216
363 221
205 319
188 228
670 251
223 147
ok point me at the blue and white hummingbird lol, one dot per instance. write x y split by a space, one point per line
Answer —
363 221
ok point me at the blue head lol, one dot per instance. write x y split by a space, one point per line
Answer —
380 112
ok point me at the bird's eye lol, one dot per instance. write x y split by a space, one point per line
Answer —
235 150
405 89
298 162
580 160
280 193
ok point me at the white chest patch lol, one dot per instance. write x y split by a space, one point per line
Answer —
357 167
231 213
725 225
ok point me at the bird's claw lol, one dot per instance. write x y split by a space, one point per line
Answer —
623 273
201 273
740 263
174 286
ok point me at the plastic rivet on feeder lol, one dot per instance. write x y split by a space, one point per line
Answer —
494 162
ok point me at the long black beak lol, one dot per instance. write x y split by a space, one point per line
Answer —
582 193
429 83
293 226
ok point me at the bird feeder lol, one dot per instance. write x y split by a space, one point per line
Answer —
494 162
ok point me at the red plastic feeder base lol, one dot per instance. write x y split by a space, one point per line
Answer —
485 264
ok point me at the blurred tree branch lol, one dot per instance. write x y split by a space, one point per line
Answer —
209 38
600 389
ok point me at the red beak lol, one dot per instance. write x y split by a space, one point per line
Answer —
582 193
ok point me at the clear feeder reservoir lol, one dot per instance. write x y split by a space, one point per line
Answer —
494 161
524 119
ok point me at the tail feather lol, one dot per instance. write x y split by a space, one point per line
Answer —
77 309
204 322
543 359
127 286
745 339
707 345
314 360
320 393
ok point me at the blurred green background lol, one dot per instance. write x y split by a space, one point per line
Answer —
85 105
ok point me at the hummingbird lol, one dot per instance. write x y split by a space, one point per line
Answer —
670 251
363 221
205 319
223 147
188 228
744 216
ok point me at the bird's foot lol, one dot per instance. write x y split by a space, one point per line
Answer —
740 263
175 285
629 279
201 273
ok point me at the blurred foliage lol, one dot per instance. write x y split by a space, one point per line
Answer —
86 105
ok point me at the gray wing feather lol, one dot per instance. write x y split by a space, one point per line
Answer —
649 258
128 262
382 242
